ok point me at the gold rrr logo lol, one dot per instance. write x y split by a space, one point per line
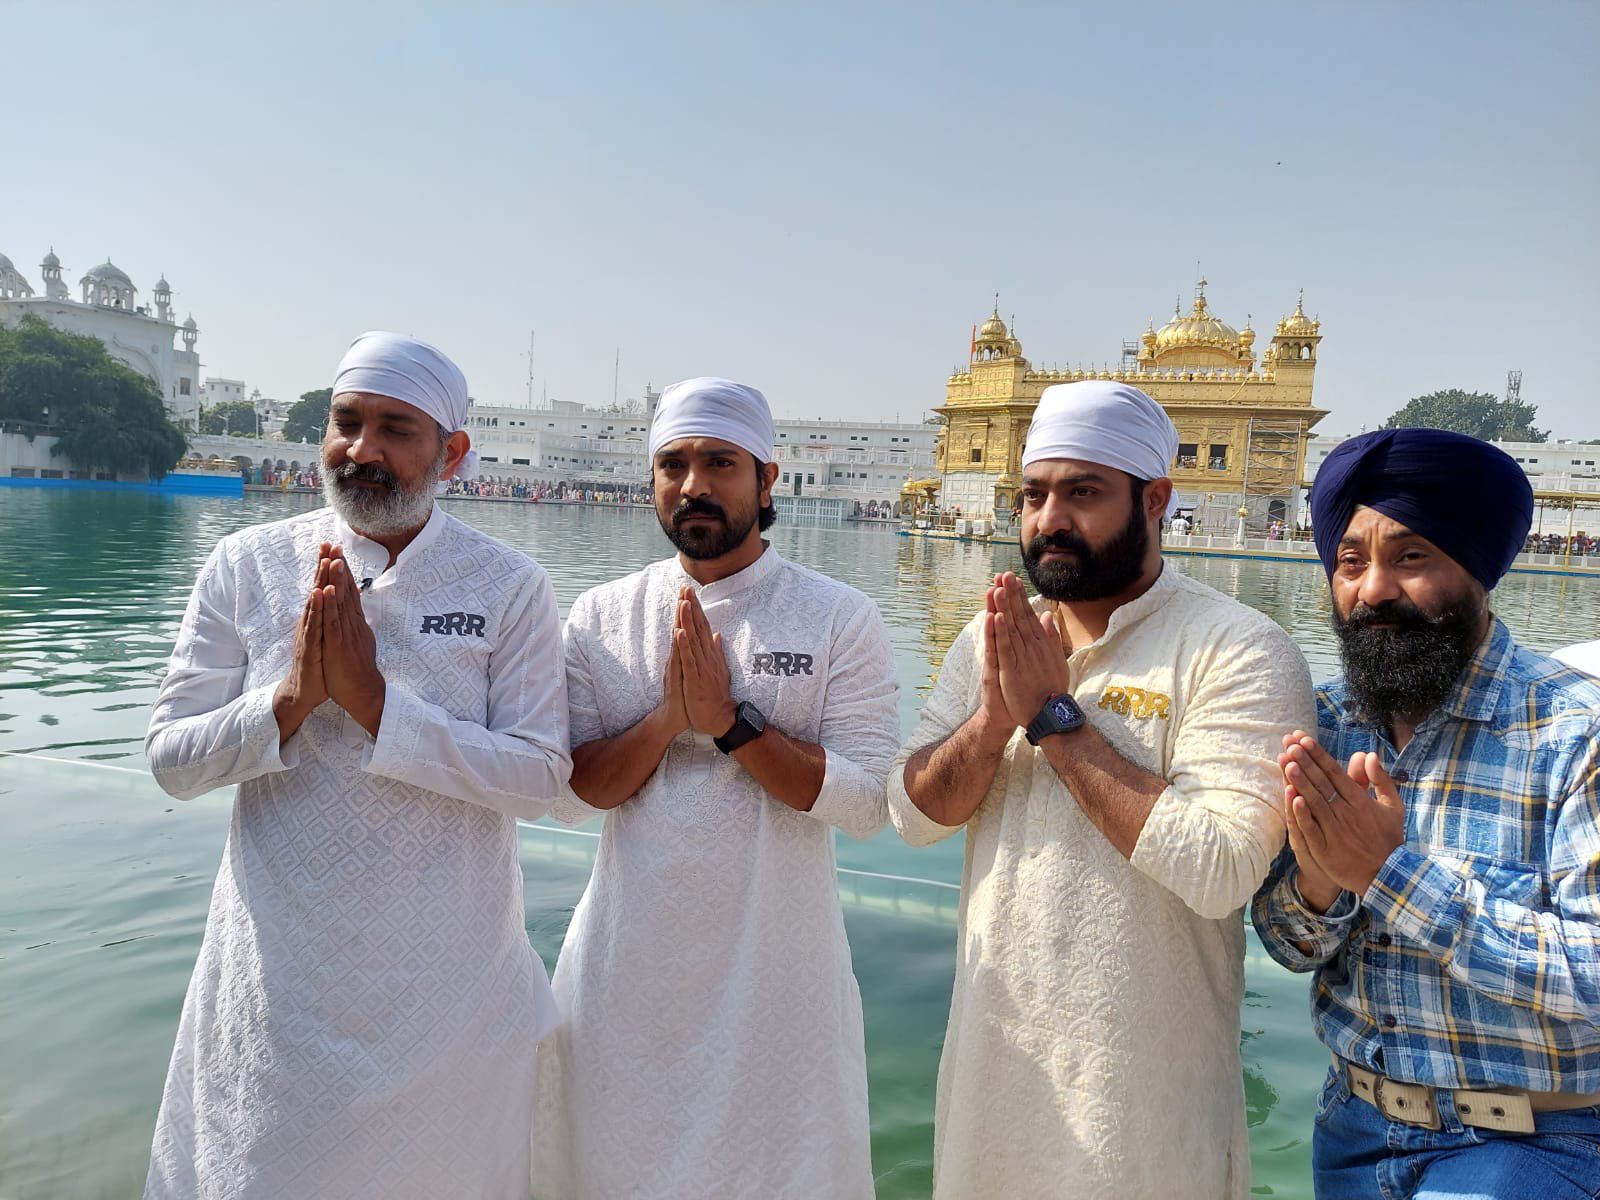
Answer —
1136 702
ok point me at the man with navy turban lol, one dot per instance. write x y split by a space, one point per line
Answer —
730 711
383 684
1107 748
1442 873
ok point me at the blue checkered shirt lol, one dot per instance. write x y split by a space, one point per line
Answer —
1474 957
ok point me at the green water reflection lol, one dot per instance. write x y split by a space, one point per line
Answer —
104 881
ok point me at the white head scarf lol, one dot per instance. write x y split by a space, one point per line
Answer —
1107 423
716 408
413 372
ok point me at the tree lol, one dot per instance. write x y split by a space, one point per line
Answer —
1481 414
106 415
308 416
236 416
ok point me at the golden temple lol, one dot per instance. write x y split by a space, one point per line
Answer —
1243 424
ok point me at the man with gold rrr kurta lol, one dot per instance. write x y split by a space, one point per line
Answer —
1109 749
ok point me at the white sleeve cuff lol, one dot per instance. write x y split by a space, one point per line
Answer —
395 747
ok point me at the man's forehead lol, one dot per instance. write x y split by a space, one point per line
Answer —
1046 471
387 405
1368 526
1368 522
699 446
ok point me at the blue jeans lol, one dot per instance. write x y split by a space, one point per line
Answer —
1359 1154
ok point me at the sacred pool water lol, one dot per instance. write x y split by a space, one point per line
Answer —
104 880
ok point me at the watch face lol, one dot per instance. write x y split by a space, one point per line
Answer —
1066 711
751 716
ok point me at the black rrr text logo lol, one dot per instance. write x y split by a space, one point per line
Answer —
462 623
780 662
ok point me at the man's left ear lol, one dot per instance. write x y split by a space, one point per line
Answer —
1157 496
769 477
455 449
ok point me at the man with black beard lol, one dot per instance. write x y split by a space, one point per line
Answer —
1108 750
1442 873
729 711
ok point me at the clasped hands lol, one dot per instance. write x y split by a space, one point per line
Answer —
696 690
335 654
1024 662
1344 821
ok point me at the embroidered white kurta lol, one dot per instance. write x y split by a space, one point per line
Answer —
363 1018
712 1048
1093 1045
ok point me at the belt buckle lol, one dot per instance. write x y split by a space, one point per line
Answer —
1409 1103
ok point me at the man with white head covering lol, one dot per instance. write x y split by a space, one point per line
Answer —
729 711
383 683
1110 751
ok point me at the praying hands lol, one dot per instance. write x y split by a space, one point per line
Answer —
701 667
1024 663
1343 822
335 654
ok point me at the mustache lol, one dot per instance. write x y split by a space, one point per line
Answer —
698 508
1402 614
366 473
1059 540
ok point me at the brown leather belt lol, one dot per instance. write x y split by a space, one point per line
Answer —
1509 1110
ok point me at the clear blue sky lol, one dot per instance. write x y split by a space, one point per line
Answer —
821 200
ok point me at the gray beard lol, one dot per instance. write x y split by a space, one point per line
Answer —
383 513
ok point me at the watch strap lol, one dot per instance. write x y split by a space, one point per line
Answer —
743 731
1046 722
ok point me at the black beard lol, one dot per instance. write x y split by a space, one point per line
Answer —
705 541
1095 574
1410 669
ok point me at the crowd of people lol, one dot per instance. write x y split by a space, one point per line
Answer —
1582 544
306 479
1135 760
562 491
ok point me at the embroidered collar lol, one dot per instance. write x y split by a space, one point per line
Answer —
369 558
740 581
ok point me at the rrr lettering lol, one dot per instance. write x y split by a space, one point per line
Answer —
463 624
781 662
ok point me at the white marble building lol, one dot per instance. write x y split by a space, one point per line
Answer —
108 308
851 461
1550 466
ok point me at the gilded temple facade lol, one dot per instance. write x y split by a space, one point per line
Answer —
1243 423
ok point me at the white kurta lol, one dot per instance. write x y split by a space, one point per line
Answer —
1585 657
363 1018
1093 1046
713 1046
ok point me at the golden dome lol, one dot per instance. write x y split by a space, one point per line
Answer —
1201 328
1297 324
993 330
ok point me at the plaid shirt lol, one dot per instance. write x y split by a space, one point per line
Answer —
1474 957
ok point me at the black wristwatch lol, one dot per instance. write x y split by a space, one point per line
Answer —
1060 714
747 726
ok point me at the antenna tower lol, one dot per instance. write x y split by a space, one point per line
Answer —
530 368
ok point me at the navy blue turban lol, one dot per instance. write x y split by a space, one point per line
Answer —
1465 496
